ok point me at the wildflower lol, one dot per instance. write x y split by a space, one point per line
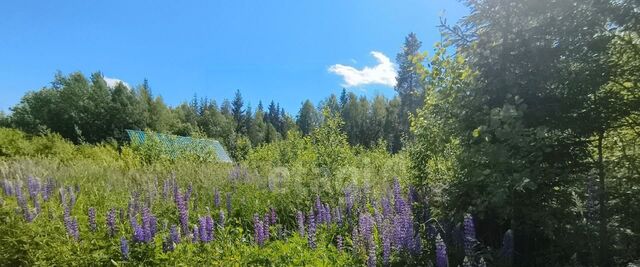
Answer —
34 187
7 186
385 236
311 231
229 204
111 222
92 219
183 211
124 248
173 233
274 217
469 234
265 227
47 189
441 253
258 229
221 219
339 242
216 198
22 202
146 225
300 219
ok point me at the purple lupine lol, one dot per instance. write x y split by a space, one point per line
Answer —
365 228
111 222
183 211
397 197
441 253
338 216
300 219
210 224
173 233
385 236
507 246
311 231
47 189
216 198
165 189
327 214
33 185
386 207
195 236
273 216
221 219
371 258
153 225
73 228
138 234
265 227
124 248
7 186
22 202
469 234
72 197
258 229
92 219
339 242
319 210
355 240
147 228
202 230
229 204
348 200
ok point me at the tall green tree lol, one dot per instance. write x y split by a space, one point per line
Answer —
308 118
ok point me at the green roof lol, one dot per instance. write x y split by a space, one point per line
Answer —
173 142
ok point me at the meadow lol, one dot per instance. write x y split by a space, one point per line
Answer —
64 204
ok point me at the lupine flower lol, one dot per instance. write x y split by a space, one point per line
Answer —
311 231
92 219
34 187
173 233
202 230
138 234
165 189
274 216
111 222
365 228
195 236
319 209
300 219
153 225
72 228
338 216
371 258
210 224
7 186
339 242
507 246
47 189
469 234
385 236
441 253
72 197
327 214
22 202
355 239
124 248
265 227
221 219
258 229
229 204
183 211
146 225
348 199
216 198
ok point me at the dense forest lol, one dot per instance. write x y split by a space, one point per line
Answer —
526 118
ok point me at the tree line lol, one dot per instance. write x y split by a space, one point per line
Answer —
88 110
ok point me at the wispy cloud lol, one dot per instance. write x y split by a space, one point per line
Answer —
112 82
384 73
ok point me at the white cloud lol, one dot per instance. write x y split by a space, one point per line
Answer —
384 73
112 82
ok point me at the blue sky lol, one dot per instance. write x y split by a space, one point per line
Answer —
269 50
